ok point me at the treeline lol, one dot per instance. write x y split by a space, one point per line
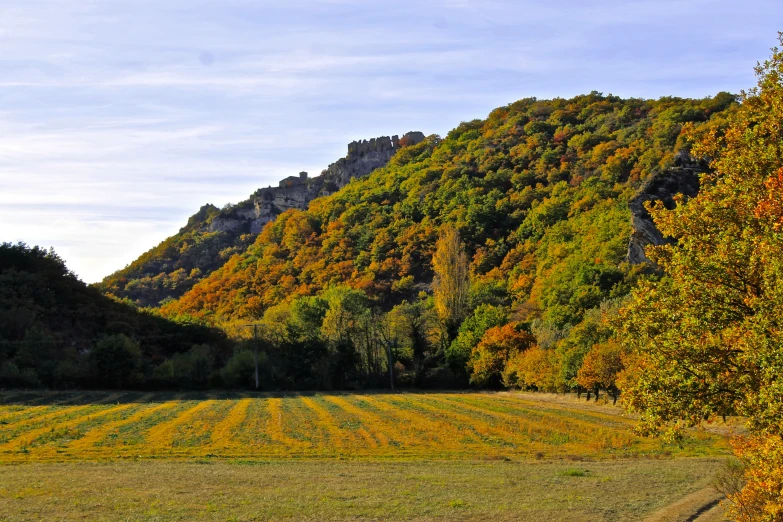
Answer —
56 332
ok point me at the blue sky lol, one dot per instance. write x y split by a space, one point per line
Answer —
120 118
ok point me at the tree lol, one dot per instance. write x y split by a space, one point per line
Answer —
38 353
452 279
760 498
239 370
117 361
496 348
536 368
470 333
707 340
600 368
414 326
342 328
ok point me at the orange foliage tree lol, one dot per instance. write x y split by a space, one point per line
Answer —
600 368
496 348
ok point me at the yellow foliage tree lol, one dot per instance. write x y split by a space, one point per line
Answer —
452 279
533 368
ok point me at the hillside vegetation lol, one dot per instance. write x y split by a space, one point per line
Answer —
536 196
538 191
180 261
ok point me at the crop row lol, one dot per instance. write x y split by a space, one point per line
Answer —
98 426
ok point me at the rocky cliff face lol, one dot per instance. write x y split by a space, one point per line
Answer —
683 178
298 191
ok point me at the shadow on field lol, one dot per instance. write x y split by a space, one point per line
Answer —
78 398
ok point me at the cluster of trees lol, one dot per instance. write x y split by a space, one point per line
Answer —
57 332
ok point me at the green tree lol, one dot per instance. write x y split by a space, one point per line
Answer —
415 326
117 361
239 371
38 353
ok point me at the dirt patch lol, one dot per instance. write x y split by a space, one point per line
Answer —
701 506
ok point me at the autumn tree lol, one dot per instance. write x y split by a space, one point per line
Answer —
470 333
452 279
535 368
490 356
707 340
600 368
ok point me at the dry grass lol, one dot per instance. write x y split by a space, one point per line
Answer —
63 427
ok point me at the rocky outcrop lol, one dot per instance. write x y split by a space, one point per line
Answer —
212 235
250 216
683 178
298 191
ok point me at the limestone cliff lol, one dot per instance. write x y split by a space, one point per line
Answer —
298 191
683 178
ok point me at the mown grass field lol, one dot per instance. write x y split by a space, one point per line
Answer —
37 427
370 456
367 490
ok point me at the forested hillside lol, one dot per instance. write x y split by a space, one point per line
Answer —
538 193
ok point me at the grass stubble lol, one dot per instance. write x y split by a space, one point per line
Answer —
254 457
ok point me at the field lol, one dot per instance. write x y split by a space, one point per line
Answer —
423 456
108 426
550 491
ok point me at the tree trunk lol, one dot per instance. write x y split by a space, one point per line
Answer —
255 360
390 357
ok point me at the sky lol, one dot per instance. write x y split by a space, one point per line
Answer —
120 118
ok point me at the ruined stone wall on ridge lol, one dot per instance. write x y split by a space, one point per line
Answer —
363 157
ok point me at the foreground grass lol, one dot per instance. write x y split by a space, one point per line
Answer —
38 427
348 490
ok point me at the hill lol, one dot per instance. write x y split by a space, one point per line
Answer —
213 235
539 192
51 324
544 202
